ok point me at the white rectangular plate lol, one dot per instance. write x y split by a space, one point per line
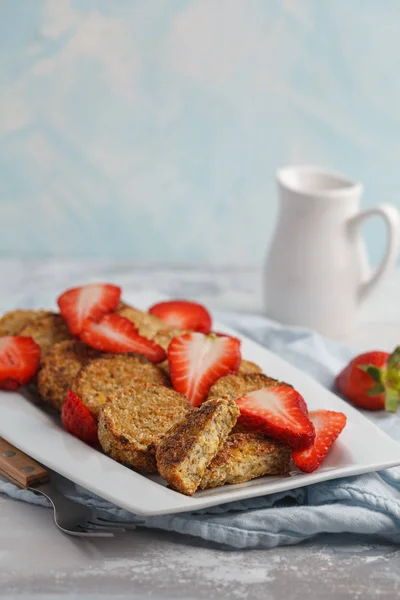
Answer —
361 448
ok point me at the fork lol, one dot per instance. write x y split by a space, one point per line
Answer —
70 517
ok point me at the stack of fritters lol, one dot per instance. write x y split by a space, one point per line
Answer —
142 422
91 374
152 428
202 452
185 452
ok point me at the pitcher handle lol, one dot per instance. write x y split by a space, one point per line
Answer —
391 217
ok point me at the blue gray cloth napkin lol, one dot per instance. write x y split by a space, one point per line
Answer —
366 504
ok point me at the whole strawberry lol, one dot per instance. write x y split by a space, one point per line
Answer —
372 380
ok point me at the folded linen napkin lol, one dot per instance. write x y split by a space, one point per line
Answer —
367 504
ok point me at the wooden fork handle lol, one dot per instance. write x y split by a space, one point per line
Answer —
19 468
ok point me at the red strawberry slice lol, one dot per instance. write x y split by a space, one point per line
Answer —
19 361
279 411
196 361
77 419
88 302
113 333
183 314
220 334
328 426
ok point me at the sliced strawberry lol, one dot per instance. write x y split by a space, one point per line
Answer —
19 361
113 333
183 314
279 411
196 361
88 302
328 426
220 334
77 419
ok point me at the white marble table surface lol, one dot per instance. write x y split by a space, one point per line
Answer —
36 561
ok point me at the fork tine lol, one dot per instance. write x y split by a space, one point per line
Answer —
112 526
93 526
83 532
120 527
117 523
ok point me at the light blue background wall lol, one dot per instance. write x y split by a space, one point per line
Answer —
151 129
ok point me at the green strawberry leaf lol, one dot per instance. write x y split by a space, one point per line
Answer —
391 400
377 389
394 359
372 371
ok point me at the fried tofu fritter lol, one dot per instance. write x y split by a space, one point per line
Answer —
133 421
59 369
13 321
236 386
184 453
102 376
247 367
164 337
245 456
47 330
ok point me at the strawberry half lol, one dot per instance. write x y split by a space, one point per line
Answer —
77 419
372 380
280 412
88 302
328 426
19 361
183 314
113 333
196 361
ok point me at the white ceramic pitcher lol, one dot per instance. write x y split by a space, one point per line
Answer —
317 272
